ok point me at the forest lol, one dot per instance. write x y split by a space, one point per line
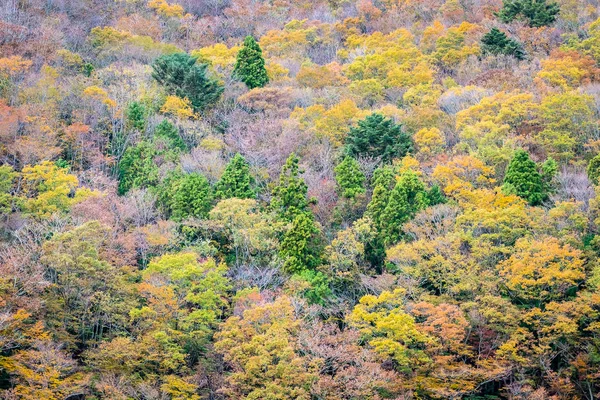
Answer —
299 199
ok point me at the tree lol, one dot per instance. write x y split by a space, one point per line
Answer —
390 330
7 178
350 178
379 137
137 168
537 13
170 134
408 197
496 42
89 298
523 179
47 189
300 248
250 64
192 197
541 270
182 76
261 346
136 116
593 169
290 195
236 180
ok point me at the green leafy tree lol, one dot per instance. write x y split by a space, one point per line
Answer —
593 169
236 180
300 248
523 179
435 196
182 76
377 136
170 134
7 177
496 42
290 195
192 197
350 178
136 116
537 13
137 168
250 65
408 197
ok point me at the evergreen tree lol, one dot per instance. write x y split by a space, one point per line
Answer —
350 178
137 168
136 116
549 170
537 13
191 197
435 196
593 169
377 136
250 65
523 179
236 180
496 42
300 248
290 195
384 180
169 133
408 197
182 76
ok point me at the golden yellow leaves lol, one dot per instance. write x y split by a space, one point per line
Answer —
165 9
99 94
542 269
178 107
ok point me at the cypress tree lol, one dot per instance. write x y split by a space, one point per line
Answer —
182 76
523 179
408 197
137 168
593 169
378 137
250 65
350 178
236 180
191 197
170 134
136 116
537 13
290 195
496 42
300 248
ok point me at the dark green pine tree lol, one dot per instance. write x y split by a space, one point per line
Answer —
250 65
290 195
537 13
182 76
236 180
408 197
136 116
300 248
496 42
379 137
191 197
350 178
523 179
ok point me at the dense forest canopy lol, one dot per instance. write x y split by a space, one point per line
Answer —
299 199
